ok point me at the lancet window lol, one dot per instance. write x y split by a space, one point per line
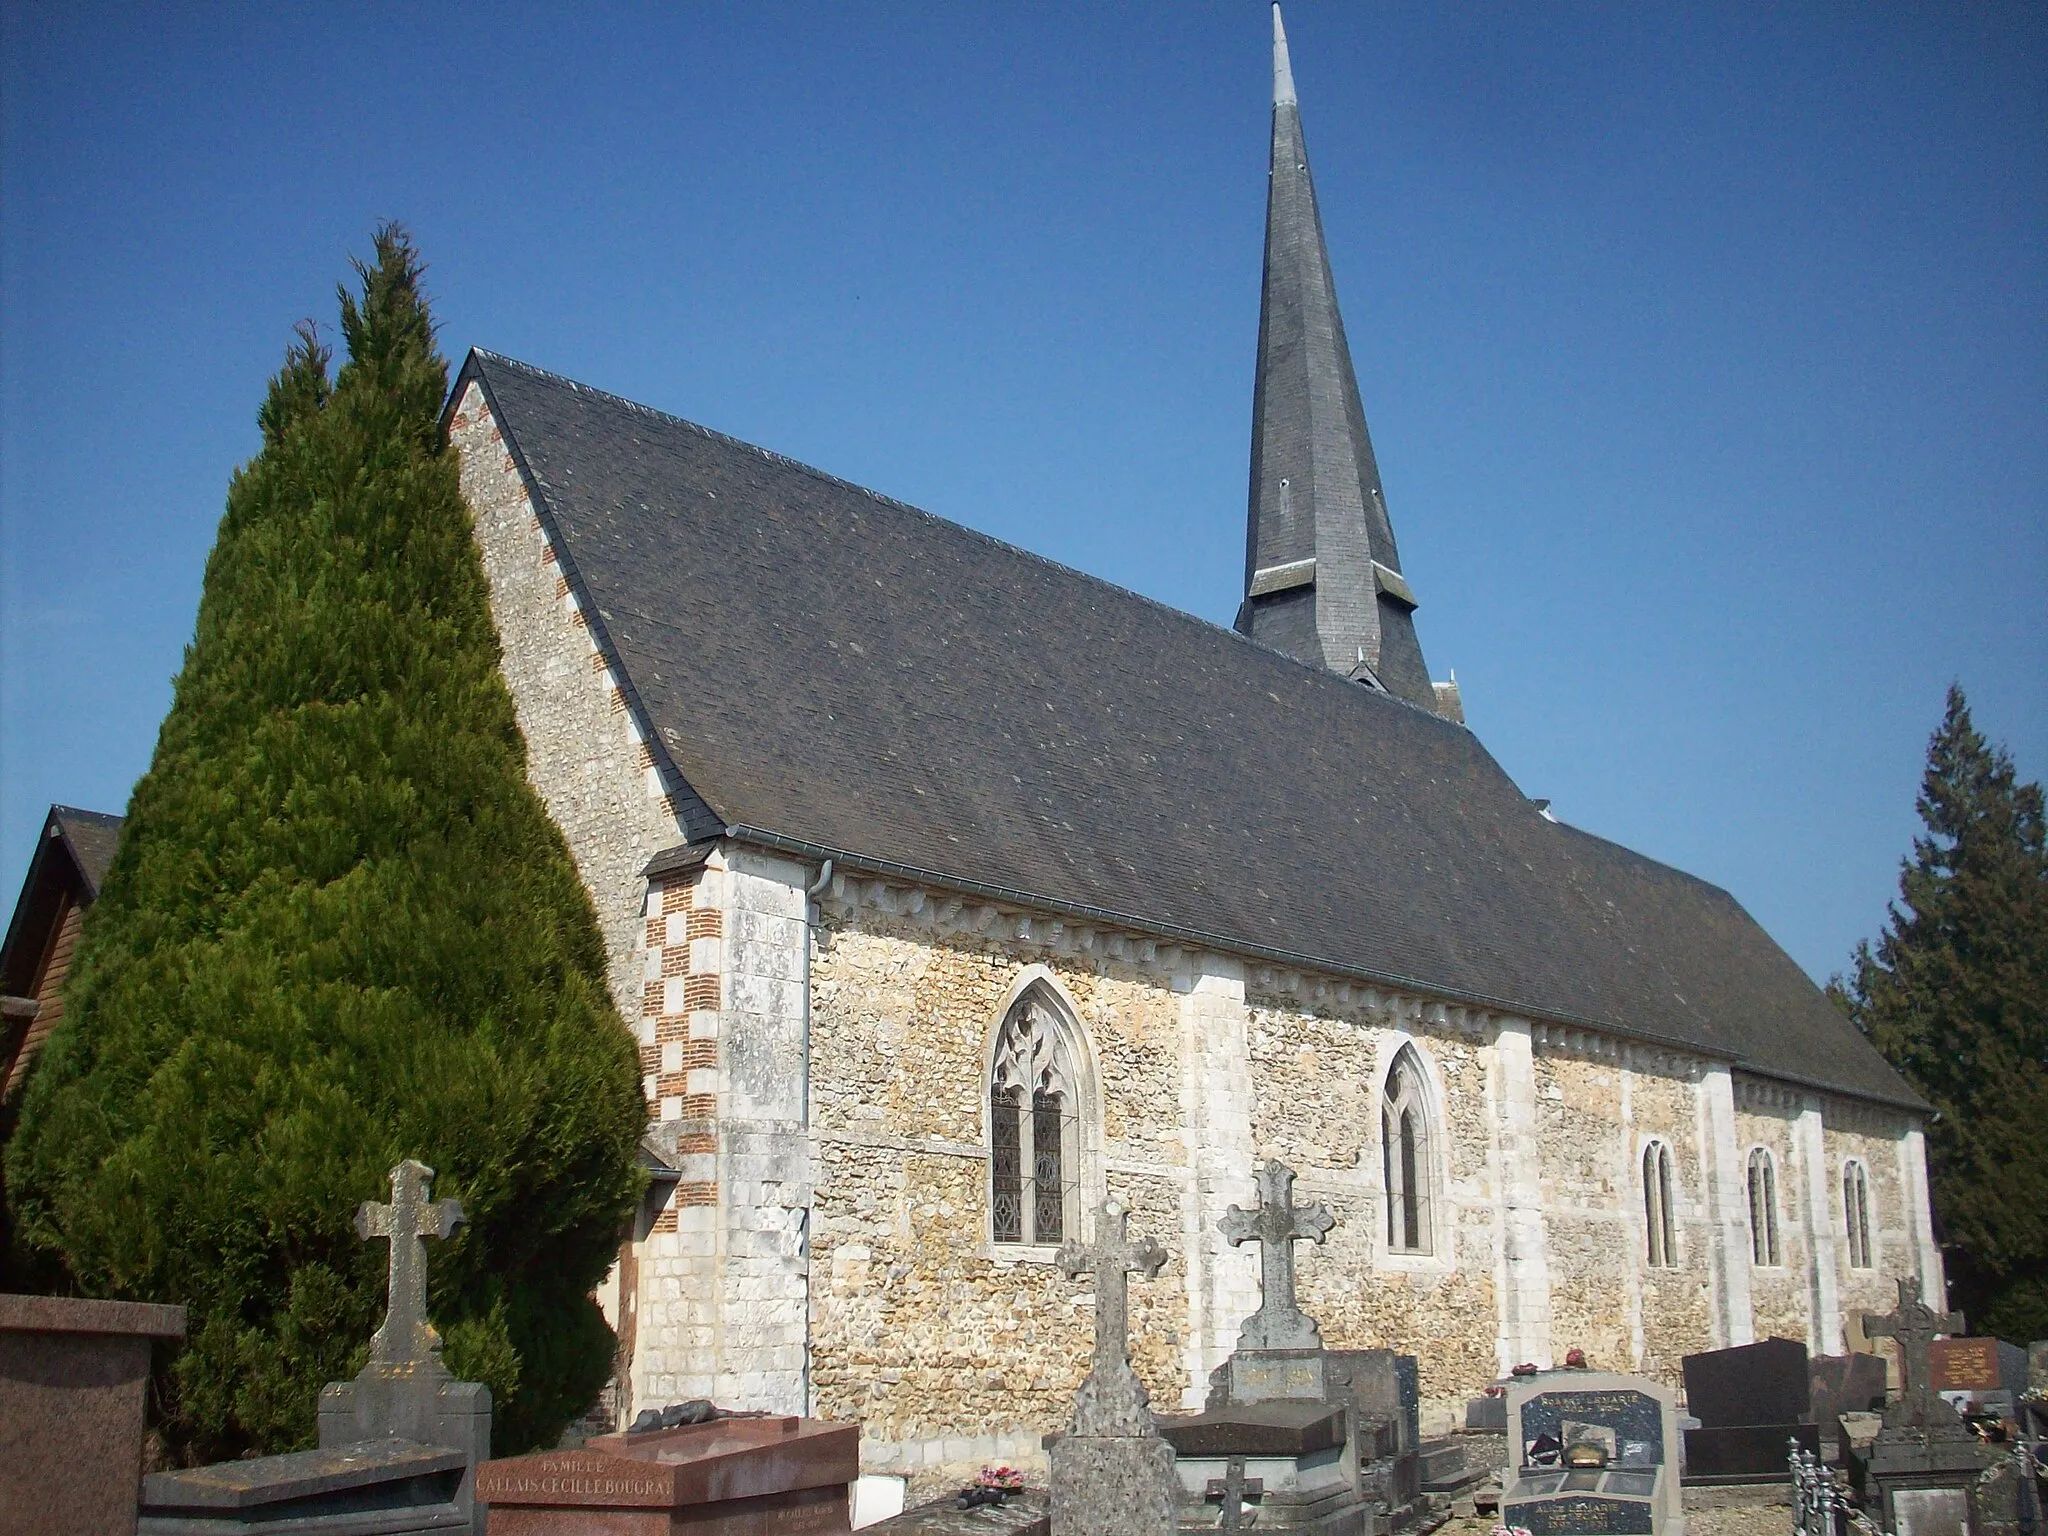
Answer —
1763 1208
1856 1210
1034 1126
1658 1220
1405 1155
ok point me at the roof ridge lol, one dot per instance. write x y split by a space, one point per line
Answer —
1311 669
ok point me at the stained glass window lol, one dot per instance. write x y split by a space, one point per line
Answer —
1034 1157
1405 1160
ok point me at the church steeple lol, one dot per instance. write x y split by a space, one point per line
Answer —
1323 579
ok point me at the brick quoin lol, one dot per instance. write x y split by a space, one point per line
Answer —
650 999
666 1221
704 923
675 898
675 961
697 1141
700 1053
700 1106
696 1194
671 1026
700 992
650 1059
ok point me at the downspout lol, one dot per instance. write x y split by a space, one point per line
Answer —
812 892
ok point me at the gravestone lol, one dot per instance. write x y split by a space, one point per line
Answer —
73 1379
1594 1454
1319 1440
1844 1384
1112 1474
729 1477
399 1445
1979 1375
1924 1459
1280 1349
1750 1401
1767 1382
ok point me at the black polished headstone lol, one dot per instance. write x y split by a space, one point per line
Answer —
1746 1452
1844 1384
1762 1383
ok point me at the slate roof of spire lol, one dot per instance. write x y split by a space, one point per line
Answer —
838 673
1322 577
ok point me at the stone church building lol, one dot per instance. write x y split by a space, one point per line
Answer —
950 890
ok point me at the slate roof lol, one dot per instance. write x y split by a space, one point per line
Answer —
835 672
71 859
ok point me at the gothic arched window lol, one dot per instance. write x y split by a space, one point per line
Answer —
1657 1217
1763 1208
1856 1210
1405 1154
1033 1117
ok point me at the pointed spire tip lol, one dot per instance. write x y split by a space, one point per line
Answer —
1283 71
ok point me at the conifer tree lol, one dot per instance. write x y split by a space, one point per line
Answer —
340 931
1956 997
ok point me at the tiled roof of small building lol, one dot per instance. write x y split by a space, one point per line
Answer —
851 675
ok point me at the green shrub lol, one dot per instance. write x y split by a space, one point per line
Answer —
340 931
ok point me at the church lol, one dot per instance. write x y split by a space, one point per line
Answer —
950 892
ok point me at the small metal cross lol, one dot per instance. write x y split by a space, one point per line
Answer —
406 1340
1276 1225
1233 1495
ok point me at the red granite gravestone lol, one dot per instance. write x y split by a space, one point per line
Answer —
72 1376
730 1477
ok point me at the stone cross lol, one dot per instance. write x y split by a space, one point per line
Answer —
1233 1496
1112 1401
1914 1325
1276 1226
407 1343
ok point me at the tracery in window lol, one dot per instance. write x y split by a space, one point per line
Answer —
1657 1216
1405 1155
1763 1208
1034 1101
1856 1211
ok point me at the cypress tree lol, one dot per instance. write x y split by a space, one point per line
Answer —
1956 997
341 930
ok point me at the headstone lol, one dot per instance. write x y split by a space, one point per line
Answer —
1924 1459
1280 1349
1844 1384
1763 1383
73 1379
1979 1375
1750 1401
730 1477
1488 1412
1591 1453
1112 1474
1281 1396
399 1445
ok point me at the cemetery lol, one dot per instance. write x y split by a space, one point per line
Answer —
1295 1436
1114 1125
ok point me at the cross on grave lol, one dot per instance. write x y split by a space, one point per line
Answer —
1914 1325
1112 1401
406 1342
1276 1226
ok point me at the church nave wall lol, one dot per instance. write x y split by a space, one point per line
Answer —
1875 1140
1780 1292
952 1349
1317 1075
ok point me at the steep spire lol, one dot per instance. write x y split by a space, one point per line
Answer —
1322 576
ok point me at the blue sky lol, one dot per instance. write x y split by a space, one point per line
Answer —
1705 348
